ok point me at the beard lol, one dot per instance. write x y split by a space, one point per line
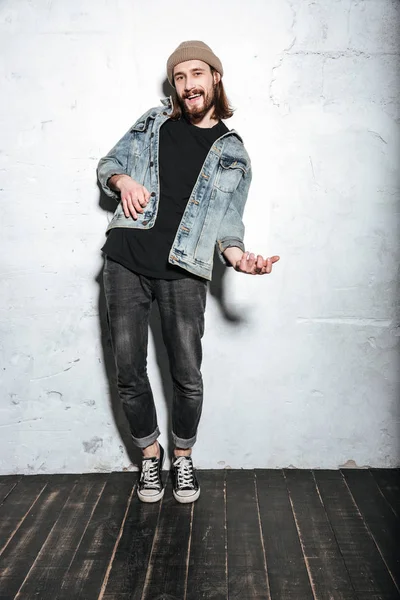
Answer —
195 114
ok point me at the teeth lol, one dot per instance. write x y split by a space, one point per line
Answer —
195 96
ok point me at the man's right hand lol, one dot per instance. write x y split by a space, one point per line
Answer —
134 197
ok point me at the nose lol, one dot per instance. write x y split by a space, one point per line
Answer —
189 84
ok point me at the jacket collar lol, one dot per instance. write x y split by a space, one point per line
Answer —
167 101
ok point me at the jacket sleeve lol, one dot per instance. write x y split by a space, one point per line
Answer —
231 230
114 163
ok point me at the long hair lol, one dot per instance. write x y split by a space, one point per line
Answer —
222 107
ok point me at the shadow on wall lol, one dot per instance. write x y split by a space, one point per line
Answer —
216 290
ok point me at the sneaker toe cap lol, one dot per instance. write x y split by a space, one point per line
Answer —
186 493
149 493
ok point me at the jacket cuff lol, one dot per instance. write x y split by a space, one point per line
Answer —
104 182
225 243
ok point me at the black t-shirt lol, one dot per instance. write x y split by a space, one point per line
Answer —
183 150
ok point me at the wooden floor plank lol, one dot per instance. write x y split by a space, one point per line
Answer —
166 574
287 572
388 481
367 571
328 572
207 577
17 505
379 517
7 484
21 552
51 564
129 566
88 569
247 576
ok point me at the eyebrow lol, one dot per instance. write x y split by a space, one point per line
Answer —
195 69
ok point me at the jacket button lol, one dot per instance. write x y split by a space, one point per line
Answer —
151 164
152 135
164 113
152 194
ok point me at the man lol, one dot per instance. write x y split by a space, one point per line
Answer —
181 179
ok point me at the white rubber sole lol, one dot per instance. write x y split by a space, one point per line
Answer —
150 499
186 499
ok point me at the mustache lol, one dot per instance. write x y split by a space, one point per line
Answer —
191 93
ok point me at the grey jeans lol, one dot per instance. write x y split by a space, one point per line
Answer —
181 302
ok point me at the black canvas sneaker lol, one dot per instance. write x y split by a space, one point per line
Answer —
150 487
186 487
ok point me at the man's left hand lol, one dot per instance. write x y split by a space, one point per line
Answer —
255 265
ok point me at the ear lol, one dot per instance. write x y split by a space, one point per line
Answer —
217 77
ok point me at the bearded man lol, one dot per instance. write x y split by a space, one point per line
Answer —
181 179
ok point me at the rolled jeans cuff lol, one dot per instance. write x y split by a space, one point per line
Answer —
146 441
184 444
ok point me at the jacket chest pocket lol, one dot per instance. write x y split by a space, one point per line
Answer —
230 172
139 156
140 144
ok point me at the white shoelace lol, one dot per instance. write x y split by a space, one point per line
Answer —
185 472
149 475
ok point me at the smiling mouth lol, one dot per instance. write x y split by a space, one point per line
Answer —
193 98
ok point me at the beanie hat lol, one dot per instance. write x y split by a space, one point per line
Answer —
192 50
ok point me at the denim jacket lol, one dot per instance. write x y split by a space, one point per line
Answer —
213 215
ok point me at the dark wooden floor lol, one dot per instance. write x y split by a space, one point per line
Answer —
284 535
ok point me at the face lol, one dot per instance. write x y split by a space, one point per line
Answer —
194 84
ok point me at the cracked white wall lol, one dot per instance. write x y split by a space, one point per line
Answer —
309 377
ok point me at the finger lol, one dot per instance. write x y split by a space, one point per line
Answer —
275 258
127 200
258 264
132 210
243 262
268 265
250 263
146 194
140 197
125 207
136 203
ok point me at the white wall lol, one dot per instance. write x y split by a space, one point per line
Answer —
309 378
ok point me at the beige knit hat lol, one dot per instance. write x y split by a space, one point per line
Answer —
192 50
